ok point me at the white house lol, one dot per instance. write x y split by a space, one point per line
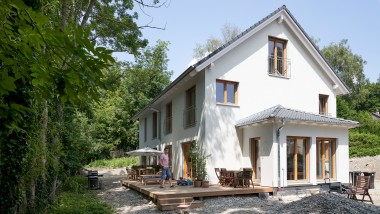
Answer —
266 100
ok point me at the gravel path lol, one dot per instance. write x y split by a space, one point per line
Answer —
125 201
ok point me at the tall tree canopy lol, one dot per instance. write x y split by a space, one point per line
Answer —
228 31
53 58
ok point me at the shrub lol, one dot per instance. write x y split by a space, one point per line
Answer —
364 144
75 198
114 163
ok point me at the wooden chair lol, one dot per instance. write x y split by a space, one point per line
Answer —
218 174
131 174
361 188
225 177
244 178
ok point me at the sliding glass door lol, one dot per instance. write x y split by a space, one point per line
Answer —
297 158
325 158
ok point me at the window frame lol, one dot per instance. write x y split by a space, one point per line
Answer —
284 42
169 118
225 91
145 129
324 99
190 105
154 125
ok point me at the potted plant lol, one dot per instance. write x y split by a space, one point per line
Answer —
199 158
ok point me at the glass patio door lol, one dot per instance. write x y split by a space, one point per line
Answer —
325 158
297 158
255 159
188 171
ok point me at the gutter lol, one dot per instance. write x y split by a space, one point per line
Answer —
278 133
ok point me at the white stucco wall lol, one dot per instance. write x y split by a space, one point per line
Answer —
257 91
179 134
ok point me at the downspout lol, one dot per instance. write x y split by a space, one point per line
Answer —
278 133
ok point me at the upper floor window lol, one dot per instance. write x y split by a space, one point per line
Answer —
145 129
278 65
154 125
323 104
226 92
189 113
168 119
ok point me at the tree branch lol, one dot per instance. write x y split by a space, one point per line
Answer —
87 14
141 2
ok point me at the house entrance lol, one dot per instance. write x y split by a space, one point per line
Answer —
255 158
188 171
326 158
297 158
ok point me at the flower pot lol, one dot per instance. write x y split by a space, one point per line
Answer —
197 183
205 184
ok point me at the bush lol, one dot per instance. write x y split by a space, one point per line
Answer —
114 163
364 144
75 198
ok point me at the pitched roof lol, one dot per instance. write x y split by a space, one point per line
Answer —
280 112
224 48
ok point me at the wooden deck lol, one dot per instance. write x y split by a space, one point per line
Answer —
155 192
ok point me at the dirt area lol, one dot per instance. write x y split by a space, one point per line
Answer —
366 164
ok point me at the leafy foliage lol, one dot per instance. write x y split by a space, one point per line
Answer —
114 163
199 159
53 58
363 144
75 198
358 106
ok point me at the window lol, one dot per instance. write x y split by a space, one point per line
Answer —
168 119
297 158
145 129
326 158
189 113
226 92
323 104
277 57
154 125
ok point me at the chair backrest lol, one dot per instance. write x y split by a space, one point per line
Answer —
217 172
247 173
362 184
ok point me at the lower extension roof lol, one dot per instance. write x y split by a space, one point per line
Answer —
282 113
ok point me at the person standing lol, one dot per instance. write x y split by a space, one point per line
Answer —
164 162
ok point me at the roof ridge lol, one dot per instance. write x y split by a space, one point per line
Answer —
283 7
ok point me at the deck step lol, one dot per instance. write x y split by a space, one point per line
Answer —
174 206
174 200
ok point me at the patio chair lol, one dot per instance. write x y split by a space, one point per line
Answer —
361 188
131 174
225 177
244 178
218 174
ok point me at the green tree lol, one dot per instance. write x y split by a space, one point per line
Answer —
51 62
228 31
350 67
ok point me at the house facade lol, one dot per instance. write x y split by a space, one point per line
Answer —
265 100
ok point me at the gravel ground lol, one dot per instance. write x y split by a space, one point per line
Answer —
125 201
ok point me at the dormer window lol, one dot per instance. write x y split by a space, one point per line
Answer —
277 62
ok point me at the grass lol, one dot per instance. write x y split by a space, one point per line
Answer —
76 199
114 163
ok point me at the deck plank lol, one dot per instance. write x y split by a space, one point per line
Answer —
155 192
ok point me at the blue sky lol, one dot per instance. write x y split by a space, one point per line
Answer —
190 22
